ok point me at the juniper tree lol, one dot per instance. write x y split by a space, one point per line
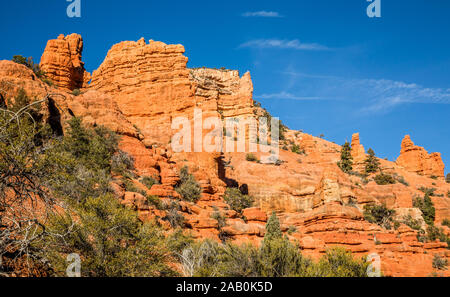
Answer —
372 163
346 162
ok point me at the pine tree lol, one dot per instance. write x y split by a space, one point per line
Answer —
346 162
273 229
372 163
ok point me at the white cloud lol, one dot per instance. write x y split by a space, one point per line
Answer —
367 95
264 14
283 44
286 95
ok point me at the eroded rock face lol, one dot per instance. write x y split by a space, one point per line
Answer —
150 83
141 87
416 159
358 153
61 61
233 94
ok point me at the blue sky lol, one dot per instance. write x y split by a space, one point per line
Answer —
322 66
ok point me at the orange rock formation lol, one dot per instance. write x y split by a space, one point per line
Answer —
61 61
140 87
416 159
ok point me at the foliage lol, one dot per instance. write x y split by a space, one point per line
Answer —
371 163
384 179
110 240
188 187
109 237
434 233
380 215
440 262
447 178
251 158
236 200
23 137
273 229
122 163
346 162
296 149
412 223
427 207
446 222
173 216
149 181
28 62
338 262
76 92
275 258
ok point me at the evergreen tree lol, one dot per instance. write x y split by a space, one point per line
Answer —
372 163
346 162
273 229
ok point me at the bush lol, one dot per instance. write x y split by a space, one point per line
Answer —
412 223
440 263
76 92
434 233
122 163
174 217
427 207
296 149
236 200
28 62
346 162
149 181
110 239
446 222
380 215
188 187
447 178
251 158
384 179
276 257
371 163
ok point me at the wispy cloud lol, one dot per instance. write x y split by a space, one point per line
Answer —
366 95
287 95
263 13
283 44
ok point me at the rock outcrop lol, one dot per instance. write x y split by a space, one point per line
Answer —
61 62
358 153
140 87
150 83
416 159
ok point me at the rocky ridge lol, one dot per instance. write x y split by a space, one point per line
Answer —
141 87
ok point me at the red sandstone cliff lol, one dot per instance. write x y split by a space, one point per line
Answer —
140 87
61 61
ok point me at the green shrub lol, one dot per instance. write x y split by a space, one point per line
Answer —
174 217
149 181
427 207
434 233
122 163
439 262
371 163
28 62
380 215
384 179
236 200
296 149
110 239
188 187
446 222
346 162
412 223
251 158
427 191
76 92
